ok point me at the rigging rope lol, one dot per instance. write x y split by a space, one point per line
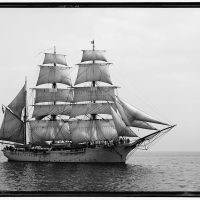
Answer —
153 107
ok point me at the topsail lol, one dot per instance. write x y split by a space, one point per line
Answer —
130 114
94 93
54 74
44 130
51 95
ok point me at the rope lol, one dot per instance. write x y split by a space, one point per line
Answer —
153 107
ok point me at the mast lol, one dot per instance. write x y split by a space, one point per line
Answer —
54 85
93 116
92 42
25 110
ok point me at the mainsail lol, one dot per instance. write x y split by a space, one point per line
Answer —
44 130
92 130
12 128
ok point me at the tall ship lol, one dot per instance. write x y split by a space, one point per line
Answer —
82 122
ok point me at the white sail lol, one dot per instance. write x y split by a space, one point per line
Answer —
90 108
91 130
44 130
93 94
79 132
54 74
51 95
18 103
91 55
133 123
106 129
12 128
120 126
134 114
142 124
93 72
51 58
58 109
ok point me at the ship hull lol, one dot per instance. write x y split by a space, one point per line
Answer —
87 155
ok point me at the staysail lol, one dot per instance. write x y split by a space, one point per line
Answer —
130 114
133 123
120 126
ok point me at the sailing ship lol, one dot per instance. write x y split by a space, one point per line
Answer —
85 122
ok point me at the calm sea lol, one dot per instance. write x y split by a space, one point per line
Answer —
144 171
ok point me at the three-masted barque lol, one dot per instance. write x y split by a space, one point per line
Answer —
84 122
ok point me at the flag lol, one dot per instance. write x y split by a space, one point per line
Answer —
92 42
3 109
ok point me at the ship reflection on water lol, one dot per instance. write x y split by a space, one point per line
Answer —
146 171
33 176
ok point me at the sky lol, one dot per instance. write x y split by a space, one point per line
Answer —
155 56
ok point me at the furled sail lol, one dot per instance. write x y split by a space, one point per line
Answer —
93 72
91 130
54 74
18 103
91 108
12 128
51 58
58 109
133 123
120 126
91 55
93 94
51 95
44 130
132 114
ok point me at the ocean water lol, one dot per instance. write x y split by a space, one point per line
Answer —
144 171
